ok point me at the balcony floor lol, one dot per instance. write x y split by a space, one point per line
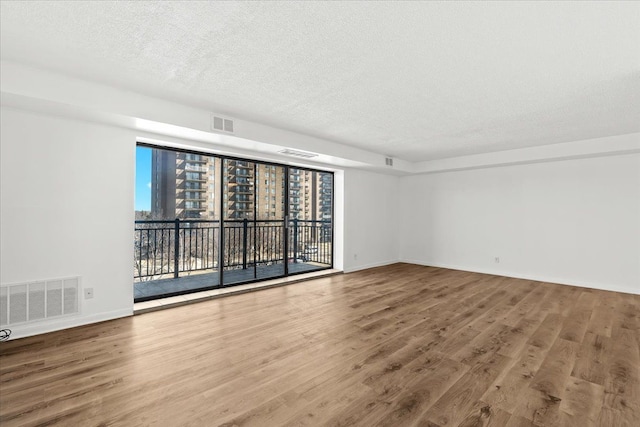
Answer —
143 291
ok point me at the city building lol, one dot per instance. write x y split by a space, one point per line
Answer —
183 185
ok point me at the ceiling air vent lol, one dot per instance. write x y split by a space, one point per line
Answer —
297 153
388 161
221 124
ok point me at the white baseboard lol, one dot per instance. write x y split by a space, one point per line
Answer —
27 330
536 277
373 265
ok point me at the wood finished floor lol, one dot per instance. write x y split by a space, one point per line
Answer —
392 346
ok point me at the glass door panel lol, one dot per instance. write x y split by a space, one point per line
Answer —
270 221
177 222
238 208
310 220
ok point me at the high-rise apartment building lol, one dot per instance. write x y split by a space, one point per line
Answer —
242 181
183 185
270 192
310 195
324 208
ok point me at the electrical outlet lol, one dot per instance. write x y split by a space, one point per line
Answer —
497 259
88 293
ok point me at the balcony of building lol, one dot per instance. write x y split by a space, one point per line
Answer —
181 256
194 177
195 197
243 189
191 166
196 158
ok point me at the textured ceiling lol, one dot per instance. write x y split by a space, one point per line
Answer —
414 80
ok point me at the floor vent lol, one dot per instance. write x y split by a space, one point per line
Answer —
37 301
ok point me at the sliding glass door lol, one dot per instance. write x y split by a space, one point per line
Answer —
270 228
205 221
177 227
310 226
254 214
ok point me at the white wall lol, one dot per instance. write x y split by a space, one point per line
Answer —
574 222
67 210
371 219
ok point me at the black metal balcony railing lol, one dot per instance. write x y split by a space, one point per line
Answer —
165 248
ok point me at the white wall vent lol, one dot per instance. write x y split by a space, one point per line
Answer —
221 124
388 161
37 301
298 153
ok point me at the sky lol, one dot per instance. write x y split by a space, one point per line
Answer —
143 179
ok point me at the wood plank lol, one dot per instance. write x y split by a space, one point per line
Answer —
516 421
484 415
416 395
538 407
581 404
622 377
505 392
578 320
556 368
603 314
454 405
591 364
540 402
